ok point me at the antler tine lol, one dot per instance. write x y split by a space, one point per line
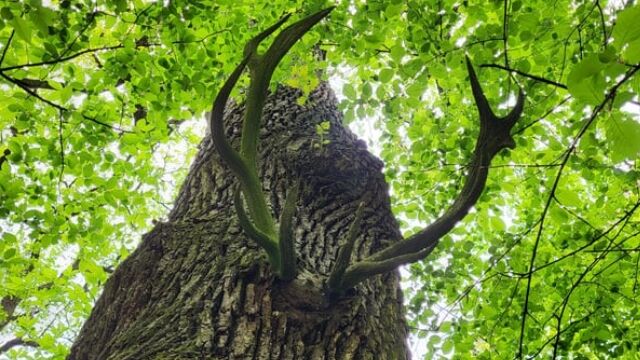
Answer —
481 101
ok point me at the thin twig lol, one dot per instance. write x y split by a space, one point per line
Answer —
92 17
59 60
57 106
593 240
505 32
544 116
6 47
605 38
61 141
635 281
522 73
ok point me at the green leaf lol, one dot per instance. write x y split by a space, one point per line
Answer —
497 224
121 5
631 52
9 253
23 29
6 13
397 53
568 197
385 75
627 27
51 49
128 17
586 81
447 346
349 91
42 18
623 136
366 90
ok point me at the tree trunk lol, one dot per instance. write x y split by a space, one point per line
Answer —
197 287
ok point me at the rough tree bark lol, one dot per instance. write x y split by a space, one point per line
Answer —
197 287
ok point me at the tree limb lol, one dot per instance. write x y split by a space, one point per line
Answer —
61 108
35 83
16 342
6 46
62 59
263 240
530 76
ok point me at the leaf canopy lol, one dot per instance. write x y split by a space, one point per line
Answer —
102 105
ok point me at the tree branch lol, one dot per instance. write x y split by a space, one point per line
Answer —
522 73
574 143
505 31
265 241
3 157
288 264
35 83
605 38
56 106
6 47
62 59
16 342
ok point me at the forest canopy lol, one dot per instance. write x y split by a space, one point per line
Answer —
102 107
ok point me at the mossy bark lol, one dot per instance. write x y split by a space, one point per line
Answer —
198 288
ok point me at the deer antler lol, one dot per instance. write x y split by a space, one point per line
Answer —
258 223
495 135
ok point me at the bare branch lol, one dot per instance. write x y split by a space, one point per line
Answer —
54 105
605 38
16 342
262 239
522 73
262 68
505 31
363 270
35 83
62 59
6 46
574 143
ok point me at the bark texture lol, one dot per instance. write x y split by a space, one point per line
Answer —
198 288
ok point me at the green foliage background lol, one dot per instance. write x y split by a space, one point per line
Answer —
98 104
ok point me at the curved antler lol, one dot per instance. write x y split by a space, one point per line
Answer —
258 223
495 135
